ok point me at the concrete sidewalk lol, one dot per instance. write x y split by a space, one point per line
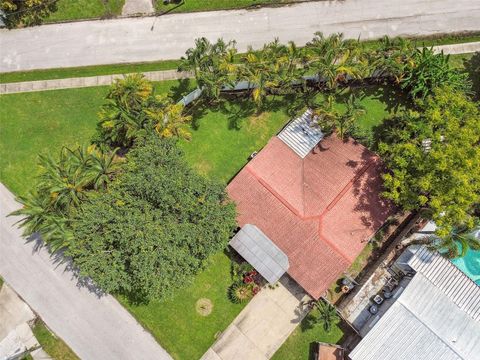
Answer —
168 36
80 82
263 325
95 326
70 83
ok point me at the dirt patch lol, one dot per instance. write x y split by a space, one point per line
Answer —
204 306
203 167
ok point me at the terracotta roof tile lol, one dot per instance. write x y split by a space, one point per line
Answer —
320 210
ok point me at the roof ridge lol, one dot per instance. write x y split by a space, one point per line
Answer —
274 193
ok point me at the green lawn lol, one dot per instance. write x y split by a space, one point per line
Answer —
299 343
83 71
222 139
32 123
85 9
175 323
53 346
202 5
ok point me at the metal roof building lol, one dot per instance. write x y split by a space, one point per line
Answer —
434 318
266 257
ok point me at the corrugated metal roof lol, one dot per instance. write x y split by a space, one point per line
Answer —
423 324
266 257
435 317
448 278
301 134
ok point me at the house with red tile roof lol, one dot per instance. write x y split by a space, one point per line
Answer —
318 201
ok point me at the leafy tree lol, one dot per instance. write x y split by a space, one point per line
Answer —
427 70
327 314
433 159
168 118
62 186
155 227
26 12
213 65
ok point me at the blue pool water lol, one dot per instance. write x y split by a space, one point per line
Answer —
470 265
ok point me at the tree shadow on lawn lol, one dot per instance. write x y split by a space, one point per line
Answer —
472 67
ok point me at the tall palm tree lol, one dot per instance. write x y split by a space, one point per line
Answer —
131 91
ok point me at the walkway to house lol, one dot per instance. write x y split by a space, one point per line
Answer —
95 327
130 40
135 7
263 325
101 80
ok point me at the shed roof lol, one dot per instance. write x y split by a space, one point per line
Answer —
301 134
319 210
428 321
266 257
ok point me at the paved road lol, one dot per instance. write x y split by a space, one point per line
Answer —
168 36
95 328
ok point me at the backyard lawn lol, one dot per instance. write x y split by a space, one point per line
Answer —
299 343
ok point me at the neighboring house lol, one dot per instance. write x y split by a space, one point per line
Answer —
434 314
314 203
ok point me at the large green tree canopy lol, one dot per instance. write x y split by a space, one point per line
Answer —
433 158
155 227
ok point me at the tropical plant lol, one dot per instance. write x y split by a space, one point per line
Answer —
239 292
155 227
63 184
392 57
213 65
346 121
334 59
25 13
457 242
428 70
433 159
168 118
327 314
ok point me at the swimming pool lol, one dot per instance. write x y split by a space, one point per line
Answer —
470 265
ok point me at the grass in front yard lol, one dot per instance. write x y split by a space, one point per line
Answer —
37 122
84 71
85 9
299 343
53 346
202 5
175 323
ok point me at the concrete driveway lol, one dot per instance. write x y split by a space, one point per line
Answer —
168 36
263 325
94 327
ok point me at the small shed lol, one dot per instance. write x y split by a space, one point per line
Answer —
256 248
328 352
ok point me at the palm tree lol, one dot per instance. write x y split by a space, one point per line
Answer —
457 242
131 91
213 65
103 167
347 120
168 118
334 59
327 314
